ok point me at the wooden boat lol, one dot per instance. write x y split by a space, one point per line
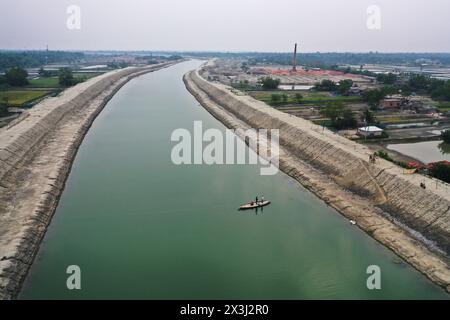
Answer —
253 205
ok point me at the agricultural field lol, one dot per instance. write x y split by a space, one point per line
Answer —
50 82
17 98
443 106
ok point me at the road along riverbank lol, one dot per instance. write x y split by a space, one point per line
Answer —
385 203
36 153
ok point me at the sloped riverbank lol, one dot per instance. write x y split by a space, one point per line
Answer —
36 154
389 206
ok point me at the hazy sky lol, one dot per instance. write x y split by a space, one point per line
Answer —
227 25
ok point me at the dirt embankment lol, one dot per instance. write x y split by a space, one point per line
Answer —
388 205
36 154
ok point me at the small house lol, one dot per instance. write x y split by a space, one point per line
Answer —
370 131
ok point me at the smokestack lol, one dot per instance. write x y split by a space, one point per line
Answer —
294 60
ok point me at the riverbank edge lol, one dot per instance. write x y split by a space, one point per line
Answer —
372 221
14 275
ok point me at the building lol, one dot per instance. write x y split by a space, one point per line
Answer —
391 103
370 131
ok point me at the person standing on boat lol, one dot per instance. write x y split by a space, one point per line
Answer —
256 199
262 198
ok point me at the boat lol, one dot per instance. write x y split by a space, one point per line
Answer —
253 205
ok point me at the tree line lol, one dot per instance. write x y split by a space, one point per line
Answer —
34 59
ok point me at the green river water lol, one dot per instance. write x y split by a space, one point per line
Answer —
141 227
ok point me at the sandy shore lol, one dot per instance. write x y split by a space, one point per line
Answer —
36 154
385 203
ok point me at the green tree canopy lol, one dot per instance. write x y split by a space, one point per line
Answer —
344 86
341 117
66 77
269 83
368 117
387 78
373 97
325 85
16 77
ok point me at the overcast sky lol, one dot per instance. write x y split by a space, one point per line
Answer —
227 25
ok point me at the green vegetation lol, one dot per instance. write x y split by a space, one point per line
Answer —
18 98
445 136
16 77
373 97
34 59
344 86
384 155
244 86
3 110
65 77
325 85
368 117
437 89
275 98
304 98
52 82
341 117
441 171
388 78
269 83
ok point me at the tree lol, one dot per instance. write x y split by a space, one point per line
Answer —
16 77
418 82
66 77
270 83
275 98
325 85
348 119
344 86
373 97
445 136
284 97
368 117
298 97
441 171
441 92
3 109
341 117
388 78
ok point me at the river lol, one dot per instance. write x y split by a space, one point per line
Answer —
139 226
